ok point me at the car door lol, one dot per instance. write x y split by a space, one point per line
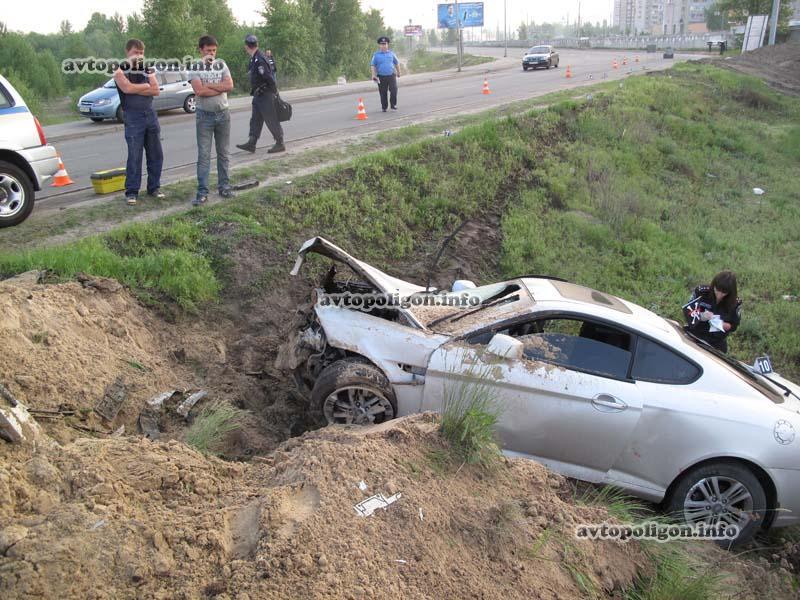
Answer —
568 402
171 87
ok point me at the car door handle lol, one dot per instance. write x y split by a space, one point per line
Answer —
608 403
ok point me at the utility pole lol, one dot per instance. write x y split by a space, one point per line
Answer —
459 47
505 26
773 24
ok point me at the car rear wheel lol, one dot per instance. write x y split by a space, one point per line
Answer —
119 116
524 67
190 105
16 195
351 391
96 119
549 64
720 493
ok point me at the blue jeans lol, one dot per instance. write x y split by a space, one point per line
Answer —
142 134
218 126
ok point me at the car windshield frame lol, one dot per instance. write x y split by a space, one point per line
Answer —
748 376
539 50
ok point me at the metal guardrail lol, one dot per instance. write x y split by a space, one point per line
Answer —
679 42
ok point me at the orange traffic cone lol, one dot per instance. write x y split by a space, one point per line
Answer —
486 89
624 61
61 178
616 66
569 72
361 115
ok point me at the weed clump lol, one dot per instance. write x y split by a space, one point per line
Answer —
211 426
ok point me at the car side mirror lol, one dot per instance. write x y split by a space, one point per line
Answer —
505 346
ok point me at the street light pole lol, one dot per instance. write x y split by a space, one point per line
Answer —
505 27
773 25
459 48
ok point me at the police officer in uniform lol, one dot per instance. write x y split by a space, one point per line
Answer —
711 301
385 71
263 88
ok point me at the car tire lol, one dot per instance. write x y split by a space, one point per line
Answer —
119 116
16 195
524 68
556 65
96 119
190 104
352 391
736 479
549 64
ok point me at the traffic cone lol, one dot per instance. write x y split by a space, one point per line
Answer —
624 61
361 115
569 72
616 66
486 89
636 59
61 178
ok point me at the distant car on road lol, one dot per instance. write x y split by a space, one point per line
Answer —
669 53
103 103
540 56
26 161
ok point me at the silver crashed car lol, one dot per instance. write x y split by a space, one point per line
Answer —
592 386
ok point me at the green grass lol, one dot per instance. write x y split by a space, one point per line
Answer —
211 426
423 61
677 576
470 412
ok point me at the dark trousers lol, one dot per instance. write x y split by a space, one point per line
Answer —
264 112
387 83
142 134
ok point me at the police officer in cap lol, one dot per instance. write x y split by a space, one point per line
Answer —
714 311
263 88
385 71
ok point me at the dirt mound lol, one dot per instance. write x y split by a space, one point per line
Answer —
125 517
778 66
68 346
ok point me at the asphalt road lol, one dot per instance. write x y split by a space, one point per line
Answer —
431 94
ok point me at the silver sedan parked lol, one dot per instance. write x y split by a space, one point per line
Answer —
590 385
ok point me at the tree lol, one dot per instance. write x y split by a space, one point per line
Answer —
714 19
433 38
738 10
522 31
169 28
293 34
65 28
374 24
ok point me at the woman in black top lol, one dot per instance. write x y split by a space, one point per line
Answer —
714 310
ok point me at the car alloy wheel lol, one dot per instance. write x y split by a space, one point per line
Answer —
190 104
718 500
720 493
357 406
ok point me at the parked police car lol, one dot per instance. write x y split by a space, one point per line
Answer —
26 160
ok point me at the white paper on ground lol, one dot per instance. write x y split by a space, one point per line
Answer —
368 506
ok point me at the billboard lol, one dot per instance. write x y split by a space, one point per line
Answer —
412 30
470 14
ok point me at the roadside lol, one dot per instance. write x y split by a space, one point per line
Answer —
81 127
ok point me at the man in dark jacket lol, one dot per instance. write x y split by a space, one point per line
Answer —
263 88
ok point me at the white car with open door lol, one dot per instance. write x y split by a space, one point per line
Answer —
593 386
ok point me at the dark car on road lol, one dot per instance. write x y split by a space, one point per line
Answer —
669 53
103 103
540 56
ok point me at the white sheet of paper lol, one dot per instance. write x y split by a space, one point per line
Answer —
715 324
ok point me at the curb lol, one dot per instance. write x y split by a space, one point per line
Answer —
361 86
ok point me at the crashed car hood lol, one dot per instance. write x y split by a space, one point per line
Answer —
376 277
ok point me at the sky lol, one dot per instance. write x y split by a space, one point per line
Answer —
18 16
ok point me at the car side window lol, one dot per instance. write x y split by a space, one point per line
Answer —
657 364
574 344
171 77
4 102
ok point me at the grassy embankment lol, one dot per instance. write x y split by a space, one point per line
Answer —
429 60
643 192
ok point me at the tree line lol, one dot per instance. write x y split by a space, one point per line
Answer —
313 41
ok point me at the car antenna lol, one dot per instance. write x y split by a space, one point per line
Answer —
446 241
